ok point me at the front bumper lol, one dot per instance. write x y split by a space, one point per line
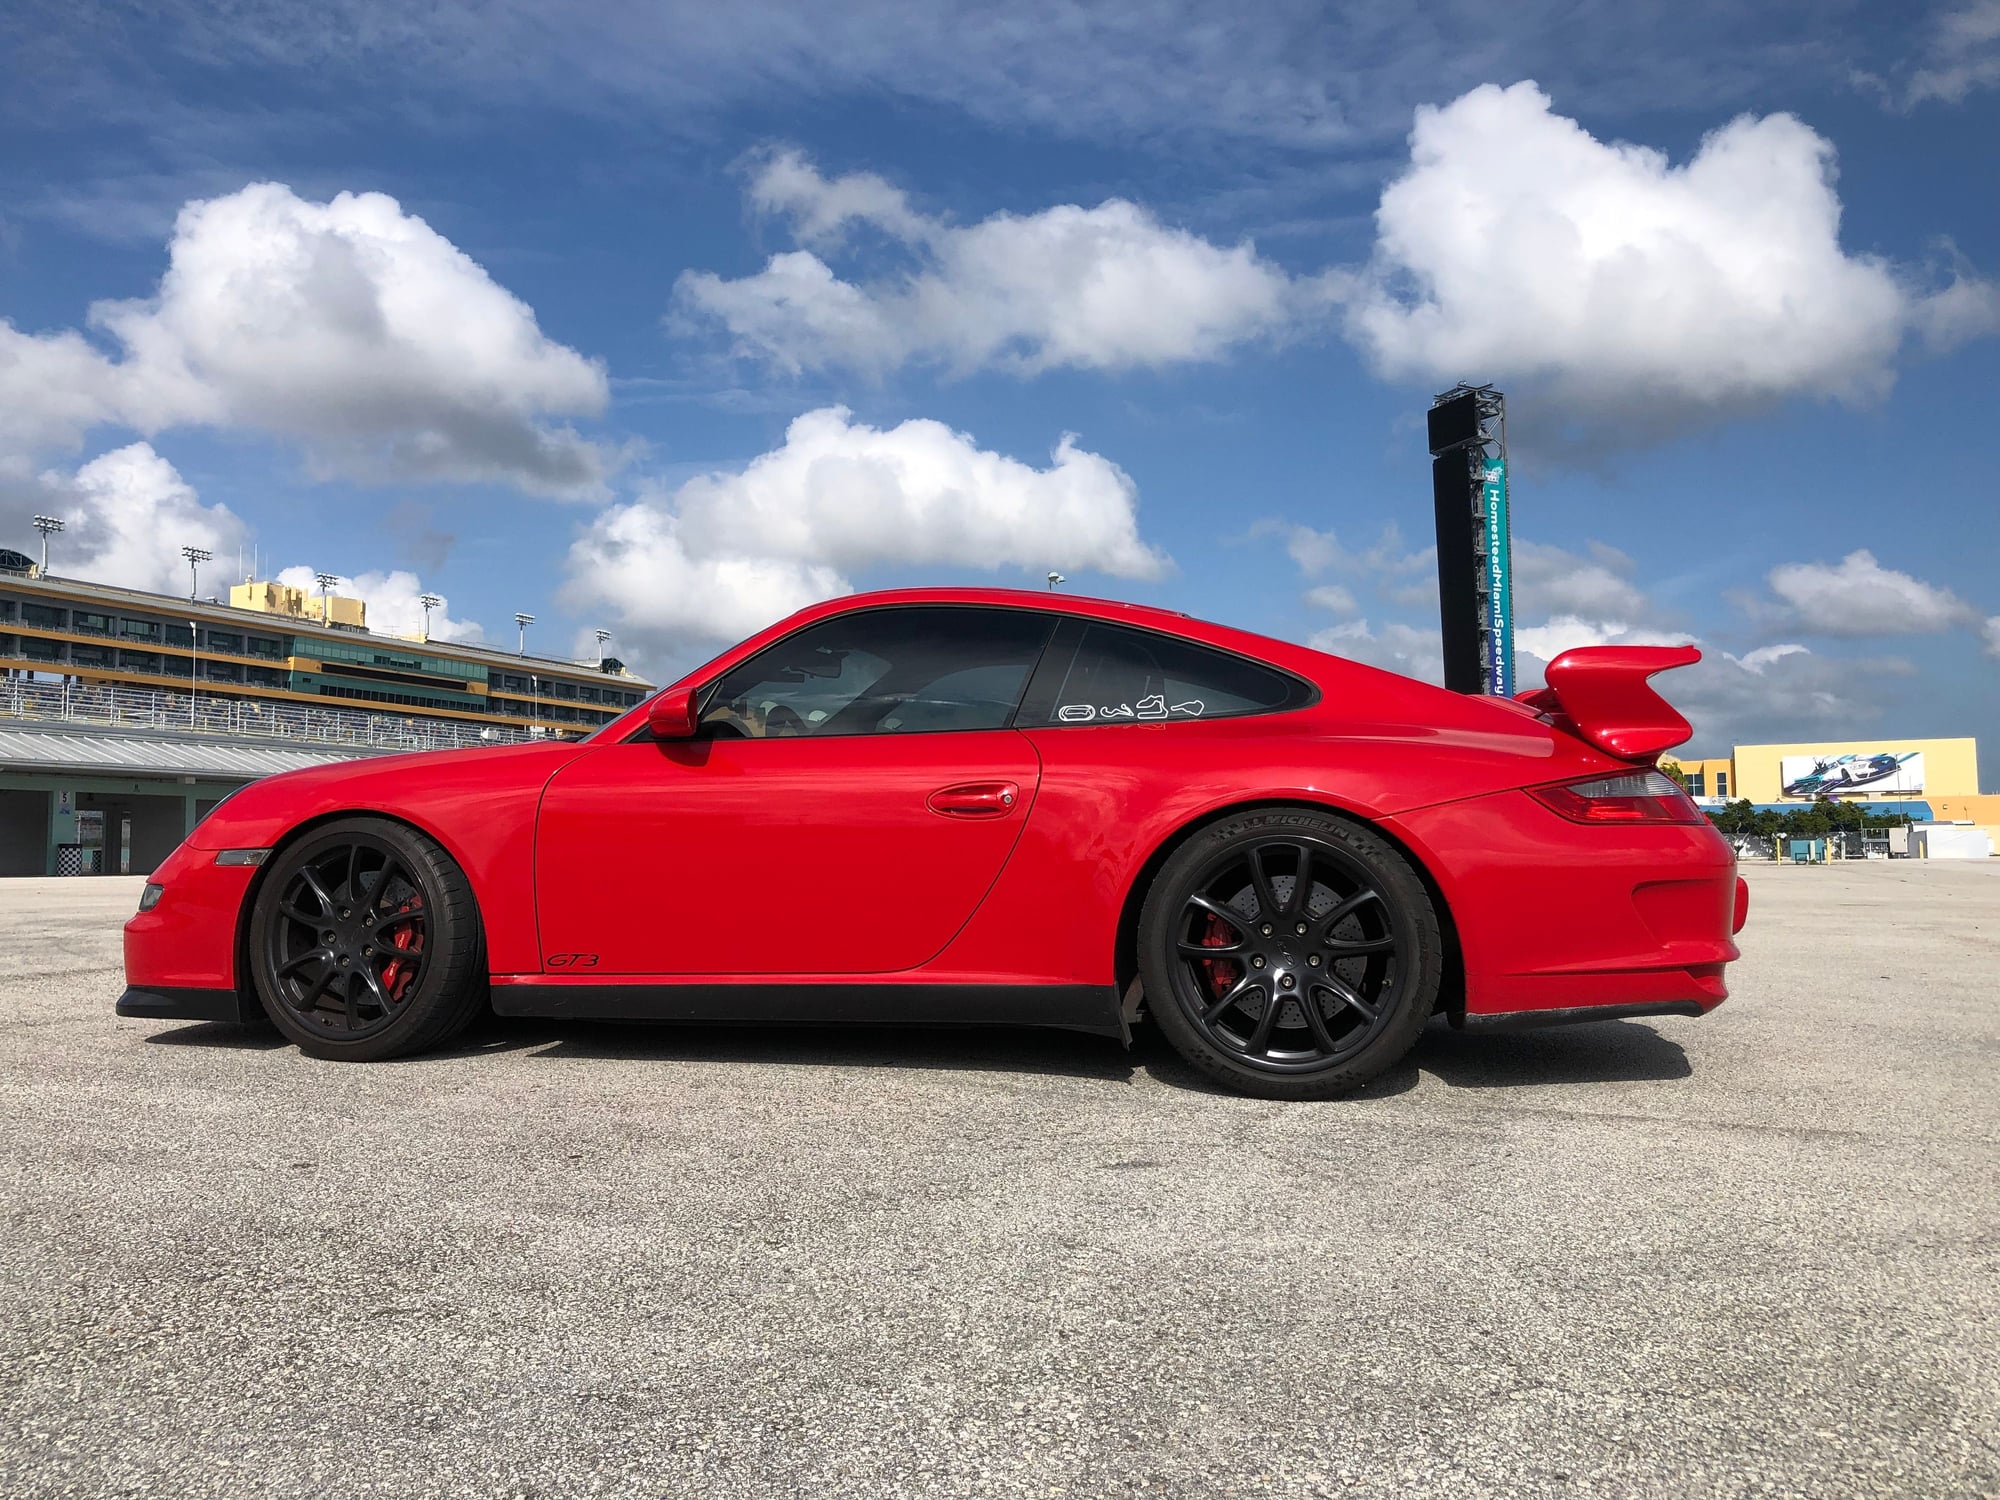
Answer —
188 1005
186 944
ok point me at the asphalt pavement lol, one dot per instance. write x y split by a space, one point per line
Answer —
1753 1254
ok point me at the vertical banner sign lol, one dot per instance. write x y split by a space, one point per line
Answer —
1499 580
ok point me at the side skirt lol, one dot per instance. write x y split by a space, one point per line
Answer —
1068 1007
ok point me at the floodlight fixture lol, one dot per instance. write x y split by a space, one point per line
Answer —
45 525
195 556
1054 579
523 621
429 603
602 637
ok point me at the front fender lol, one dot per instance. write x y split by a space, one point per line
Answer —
480 805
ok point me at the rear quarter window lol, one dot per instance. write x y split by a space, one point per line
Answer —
1120 675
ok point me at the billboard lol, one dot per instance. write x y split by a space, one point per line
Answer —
1876 773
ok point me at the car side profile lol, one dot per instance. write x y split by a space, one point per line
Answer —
984 805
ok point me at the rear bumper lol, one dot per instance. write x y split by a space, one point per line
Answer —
1533 1020
1575 922
182 1004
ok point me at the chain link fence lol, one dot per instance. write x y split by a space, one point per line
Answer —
106 706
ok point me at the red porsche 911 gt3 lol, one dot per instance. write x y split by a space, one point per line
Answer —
981 805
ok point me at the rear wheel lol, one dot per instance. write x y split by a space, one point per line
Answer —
1290 954
365 942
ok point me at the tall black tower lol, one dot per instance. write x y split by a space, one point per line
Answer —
1468 443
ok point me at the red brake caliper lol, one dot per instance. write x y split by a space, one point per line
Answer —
1222 972
395 977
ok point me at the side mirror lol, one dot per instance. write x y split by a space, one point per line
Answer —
671 714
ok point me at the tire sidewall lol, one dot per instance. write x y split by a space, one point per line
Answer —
1411 912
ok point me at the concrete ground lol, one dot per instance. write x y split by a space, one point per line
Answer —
1748 1255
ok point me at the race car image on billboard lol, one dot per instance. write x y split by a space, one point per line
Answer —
980 805
1879 773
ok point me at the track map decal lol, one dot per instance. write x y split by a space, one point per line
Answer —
1153 706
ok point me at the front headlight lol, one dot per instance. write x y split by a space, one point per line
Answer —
150 897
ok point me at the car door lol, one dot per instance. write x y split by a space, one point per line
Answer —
852 793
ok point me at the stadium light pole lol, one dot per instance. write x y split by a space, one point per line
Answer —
535 718
195 556
602 637
523 621
429 602
326 581
45 525
194 673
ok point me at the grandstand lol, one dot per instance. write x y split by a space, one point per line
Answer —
125 715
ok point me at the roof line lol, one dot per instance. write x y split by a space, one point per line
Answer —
212 609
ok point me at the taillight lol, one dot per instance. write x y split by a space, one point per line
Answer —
1641 797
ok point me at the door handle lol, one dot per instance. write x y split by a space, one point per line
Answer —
975 799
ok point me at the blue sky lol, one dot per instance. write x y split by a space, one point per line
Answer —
668 318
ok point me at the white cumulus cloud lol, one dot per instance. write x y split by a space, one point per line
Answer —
727 553
1554 580
128 513
351 327
1519 247
1334 597
1393 646
1560 633
1103 288
634 566
1961 55
1858 596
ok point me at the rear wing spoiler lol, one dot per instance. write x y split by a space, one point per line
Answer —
1602 695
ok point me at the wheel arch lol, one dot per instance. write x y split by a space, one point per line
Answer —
1125 959
246 986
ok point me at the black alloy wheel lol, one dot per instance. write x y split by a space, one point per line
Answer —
365 942
1289 953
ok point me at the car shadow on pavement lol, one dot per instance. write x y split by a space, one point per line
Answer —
996 1049
257 1038
1599 1052
1603 1052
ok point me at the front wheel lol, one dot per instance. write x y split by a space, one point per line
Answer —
1290 954
365 942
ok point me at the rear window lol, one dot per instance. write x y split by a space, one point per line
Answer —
1120 675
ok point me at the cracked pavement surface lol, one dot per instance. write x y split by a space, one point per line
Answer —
1747 1255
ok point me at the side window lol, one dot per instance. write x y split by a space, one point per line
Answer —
1130 676
918 670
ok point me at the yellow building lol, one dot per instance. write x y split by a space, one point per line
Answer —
1706 778
284 599
1943 774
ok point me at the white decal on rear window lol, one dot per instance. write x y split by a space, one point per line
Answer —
1076 713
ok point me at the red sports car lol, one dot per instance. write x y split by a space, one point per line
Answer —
980 805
